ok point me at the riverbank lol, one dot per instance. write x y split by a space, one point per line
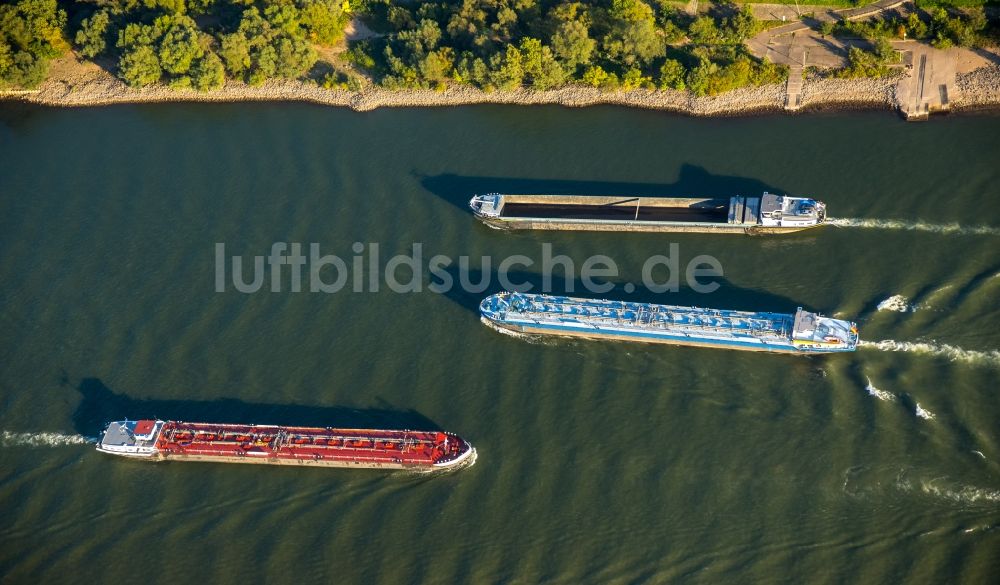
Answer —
73 82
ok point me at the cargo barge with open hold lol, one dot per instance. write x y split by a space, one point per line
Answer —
766 214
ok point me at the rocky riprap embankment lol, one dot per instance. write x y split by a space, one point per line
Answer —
99 89
979 88
83 86
877 92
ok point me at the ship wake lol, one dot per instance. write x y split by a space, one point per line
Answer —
897 303
441 470
880 394
529 337
863 482
919 226
946 489
952 353
9 439
887 396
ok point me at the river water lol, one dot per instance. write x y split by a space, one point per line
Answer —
598 462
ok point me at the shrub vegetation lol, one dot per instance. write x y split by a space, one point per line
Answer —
31 34
199 43
490 44
610 44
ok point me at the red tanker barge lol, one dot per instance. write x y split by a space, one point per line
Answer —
158 440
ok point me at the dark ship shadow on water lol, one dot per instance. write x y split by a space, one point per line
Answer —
726 296
100 405
693 181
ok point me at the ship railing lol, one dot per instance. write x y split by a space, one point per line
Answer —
529 300
282 438
345 440
300 456
606 310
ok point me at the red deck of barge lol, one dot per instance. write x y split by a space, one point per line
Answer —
406 448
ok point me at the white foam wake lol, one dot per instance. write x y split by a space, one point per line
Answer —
865 482
955 354
529 337
920 226
897 303
505 331
9 439
880 394
963 494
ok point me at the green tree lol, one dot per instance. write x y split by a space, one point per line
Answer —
208 73
672 33
634 79
767 72
261 49
507 69
92 36
862 63
34 26
235 53
31 33
884 50
201 6
6 57
571 42
742 25
915 27
264 65
703 31
437 66
630 10
170 6
467 25
294 56
699 79
25 70
140 67
960 32
323 20
672 75
633 38
471 69
540 66
596 76
283 16
137 34
421 40
179 47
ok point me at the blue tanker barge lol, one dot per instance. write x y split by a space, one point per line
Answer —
801 333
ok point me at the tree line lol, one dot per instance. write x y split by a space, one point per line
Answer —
31 34
198 43
489 44
183 43
540 44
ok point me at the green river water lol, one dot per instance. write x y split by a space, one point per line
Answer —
598 462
